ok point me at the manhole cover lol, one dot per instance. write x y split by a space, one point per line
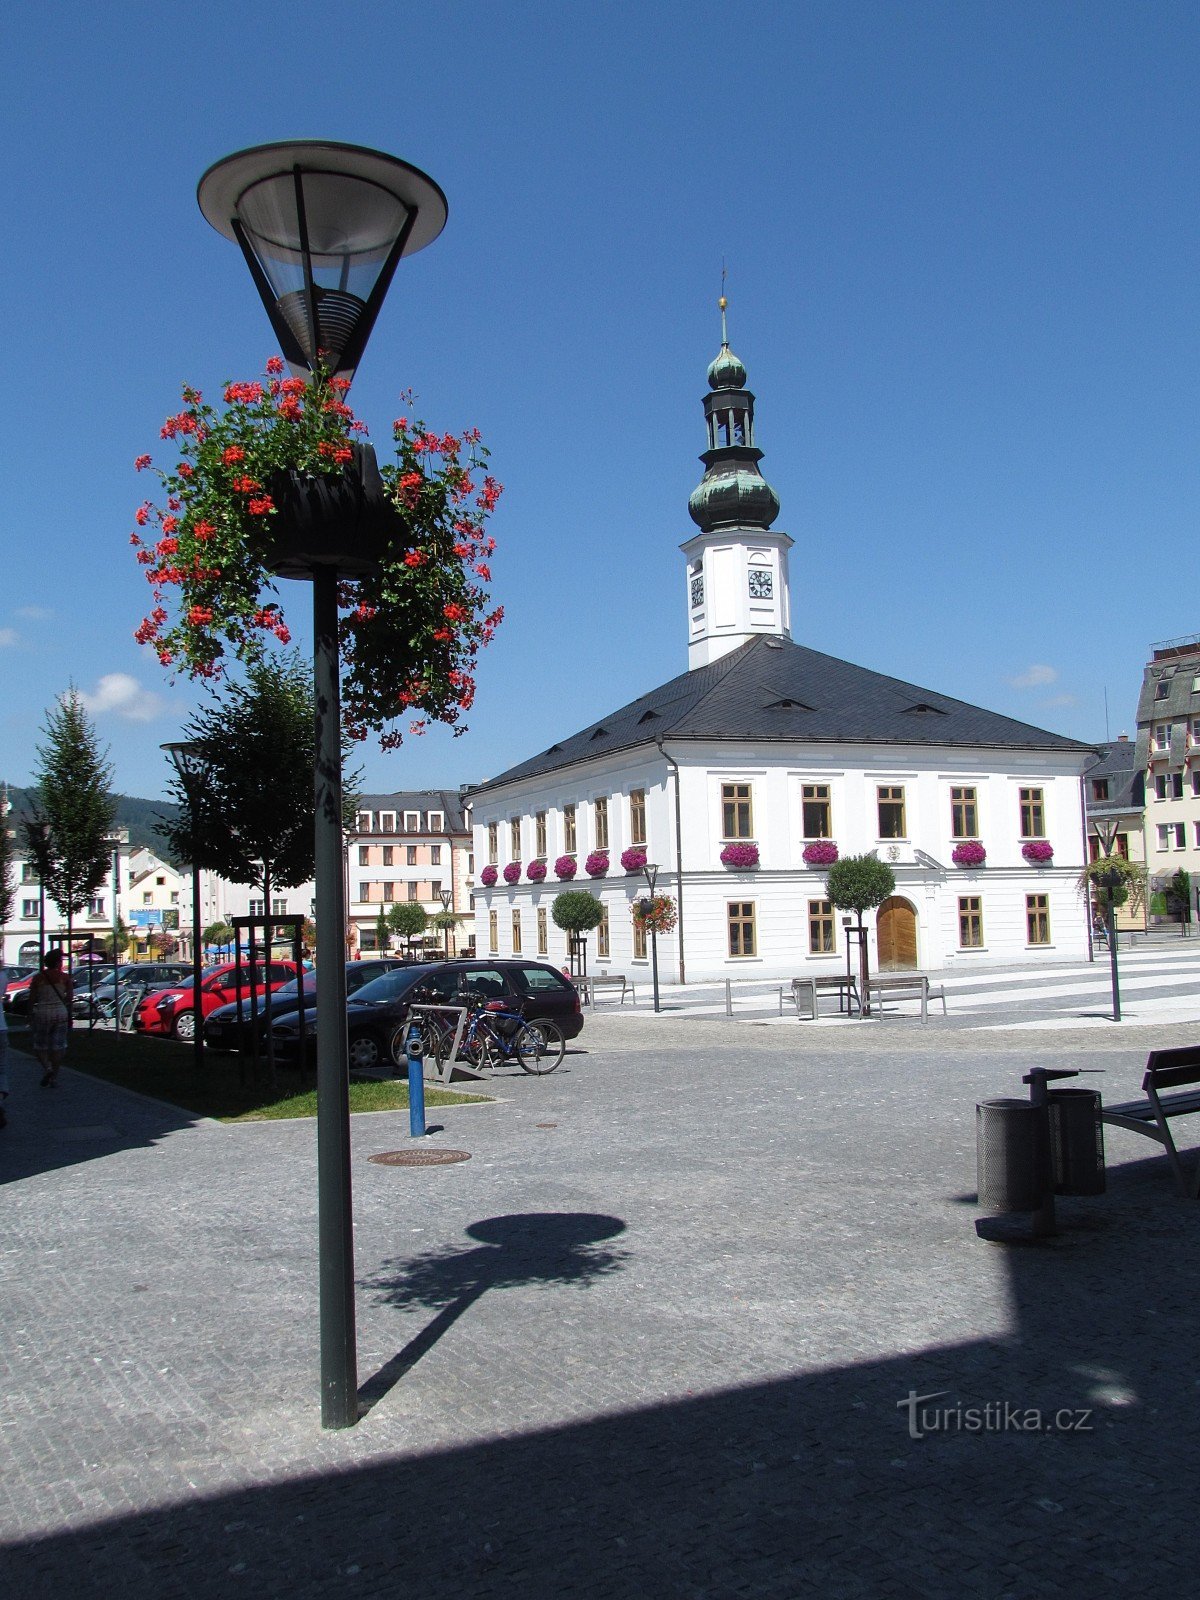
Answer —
419 1158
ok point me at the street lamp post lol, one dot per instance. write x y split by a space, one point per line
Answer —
651 874
446 896
192 768
1110 882
37 834
323 227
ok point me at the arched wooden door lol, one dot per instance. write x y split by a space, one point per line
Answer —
896 935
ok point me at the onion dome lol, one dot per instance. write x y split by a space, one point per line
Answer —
726 372
733 493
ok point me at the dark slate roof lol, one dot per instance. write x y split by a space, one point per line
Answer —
447 801
1126 779
771 690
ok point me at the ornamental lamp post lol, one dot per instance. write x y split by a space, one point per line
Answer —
446 896
323 227
37 837
192 769
650 871
1110 881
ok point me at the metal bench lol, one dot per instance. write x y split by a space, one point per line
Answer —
811 990
1165 1069
616 982
905 986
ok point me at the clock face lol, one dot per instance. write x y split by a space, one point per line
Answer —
762 583
697 591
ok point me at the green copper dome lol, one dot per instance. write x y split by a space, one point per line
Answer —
726 372
735 495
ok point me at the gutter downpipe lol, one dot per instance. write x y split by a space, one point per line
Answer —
674 765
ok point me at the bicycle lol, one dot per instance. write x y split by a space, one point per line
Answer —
492 1034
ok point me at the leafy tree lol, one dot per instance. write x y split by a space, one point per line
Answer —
383 932
73 796
1179 892
218 933
858 884
107 948
409 919
577 912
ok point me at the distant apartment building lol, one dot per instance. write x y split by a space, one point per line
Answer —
1115 796
412 846
1168 753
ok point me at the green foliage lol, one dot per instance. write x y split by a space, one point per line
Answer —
218 933
383 931
1179 889
1132 885
7 885
857 883
576 911
409 919
445 919
73 796
142 819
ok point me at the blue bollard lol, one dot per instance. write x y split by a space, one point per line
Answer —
416 1083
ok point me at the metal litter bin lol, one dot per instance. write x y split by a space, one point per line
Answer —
1076 1141
1011 1155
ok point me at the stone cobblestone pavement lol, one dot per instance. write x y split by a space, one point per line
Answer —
651 1340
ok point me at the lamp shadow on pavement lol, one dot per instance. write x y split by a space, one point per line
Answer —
548 1249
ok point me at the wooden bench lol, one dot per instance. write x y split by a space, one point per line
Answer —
813 988
1165 1069
905 986
617 982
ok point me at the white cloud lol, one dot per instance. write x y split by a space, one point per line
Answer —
34 613
1035 677
124 696
9 636
1061 700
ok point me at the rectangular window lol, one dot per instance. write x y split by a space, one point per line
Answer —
1037 918
147 898
1162 689
820 927
602 936
29 872
543 933
389 893
1033 814
493 845
412 822
96 906
365 818
493 931
437 822
387 822
255 908
514 839
412 891
815 807
1198 836
737 811
1099 788
364 856
1169 785
569 830
29 910
1196 781
435 889
964 814
410 855
539 835
516 933
1162 735
639 943
1177 786
740 920
364 893
389 852
174 897
890 799
600 819
435 855
279 908
637 816
970 922
1180 836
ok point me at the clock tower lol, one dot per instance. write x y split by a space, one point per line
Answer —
737 568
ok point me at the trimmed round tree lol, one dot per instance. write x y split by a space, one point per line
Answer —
409 919
577 912
858 884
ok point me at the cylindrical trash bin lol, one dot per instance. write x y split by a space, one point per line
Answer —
1076 1141
1011 1154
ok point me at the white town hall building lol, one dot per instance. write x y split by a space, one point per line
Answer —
773 756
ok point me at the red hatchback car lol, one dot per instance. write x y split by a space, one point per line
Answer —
171 1011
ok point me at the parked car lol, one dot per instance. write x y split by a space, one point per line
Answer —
14 975
170 1011
533 988
157 974
222 1030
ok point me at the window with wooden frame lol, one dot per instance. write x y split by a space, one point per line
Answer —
737 811
539 835
412 822
820 927
639 942
412 891
389 893
970 922
569 830
1037 918
387 822
410 855
435 855
364 856
602 935
516 933
494 844
514 839
1033 814
637 816
543 932
740 921
1099 788
437 821
600 823
493 931
890 802
815 811
389 852
964 813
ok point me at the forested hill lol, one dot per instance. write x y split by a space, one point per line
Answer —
139 816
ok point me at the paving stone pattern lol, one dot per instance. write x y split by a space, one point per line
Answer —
653 1349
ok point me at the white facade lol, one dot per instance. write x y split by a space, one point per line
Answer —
737 586
782 888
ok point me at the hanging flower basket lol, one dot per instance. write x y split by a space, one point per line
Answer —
275 482
535 871
488 877
1038 852
656 914
633 859
566 867
512 872
970 853
596 864
820 853
743 856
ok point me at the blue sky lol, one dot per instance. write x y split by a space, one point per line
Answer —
962 248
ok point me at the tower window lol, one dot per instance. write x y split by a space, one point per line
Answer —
697 592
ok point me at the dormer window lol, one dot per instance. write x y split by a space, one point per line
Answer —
387 822
365 818
1162 689
437 821
412 822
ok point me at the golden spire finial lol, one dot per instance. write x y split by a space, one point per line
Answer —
723 302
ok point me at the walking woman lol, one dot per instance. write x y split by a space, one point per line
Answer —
50 996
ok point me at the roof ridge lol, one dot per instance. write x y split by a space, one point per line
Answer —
726 663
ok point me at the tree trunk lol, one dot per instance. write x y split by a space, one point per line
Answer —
863 971
271 1080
